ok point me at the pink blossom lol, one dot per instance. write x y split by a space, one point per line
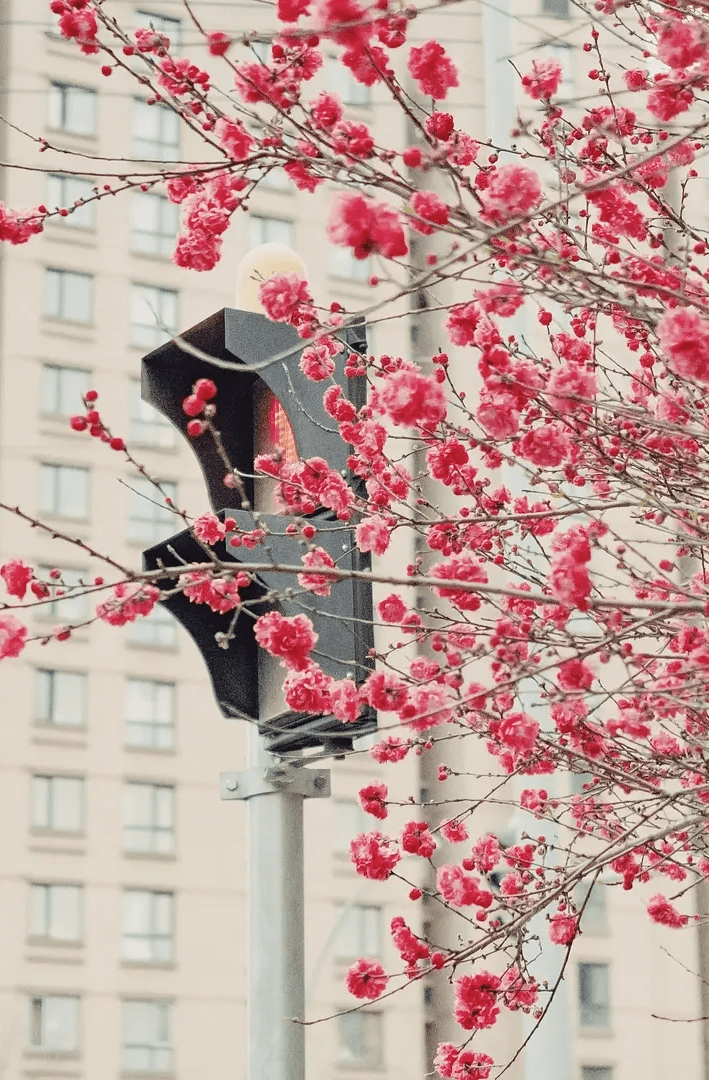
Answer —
544 79
290 638
316 362
568 384
390 749
431 209
575 675
518 992
344 700
17 576
410 399
663 912
367 226
547 447
433 70
486 853
426 707
289 11
320 584
325 110
374 856
209 529
220 594
373 534
307 690
463 568
372 799
17 226
234 138
392 609
445 1059
410 948
416 839
129 601
366 979
283 294
461 889
476 1000
472 1065
13 636
684 338
385 692
511 192
563 928
455 832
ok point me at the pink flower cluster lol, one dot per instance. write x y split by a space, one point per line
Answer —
130 600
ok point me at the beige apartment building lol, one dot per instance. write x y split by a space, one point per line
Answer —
122 875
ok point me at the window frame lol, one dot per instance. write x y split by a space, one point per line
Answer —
57 392
156 516
63 279
166 151
53 477
166 1005
259 220
586 1007
154 725
74 219
374 1061
48 900
367 938
53 676
53 608
165 237
152 936
51 803
58 103
46 1047
153 831
146 335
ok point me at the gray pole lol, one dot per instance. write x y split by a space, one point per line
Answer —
276 931
276 961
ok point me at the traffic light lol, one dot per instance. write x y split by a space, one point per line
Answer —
256 410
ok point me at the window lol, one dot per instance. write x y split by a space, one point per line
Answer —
594 996
55 912
147 1038
54 1023
150 714
595 912
149 819
156 629
147 926
357 932
64 490
268 230
58 803
149 519
596 1072
341 80
162 24
63 390
148 427
68 295
72 109
153 315
68 608
350 820
60 698
360 1040
342 264
154 223
156 132
66 191
558 8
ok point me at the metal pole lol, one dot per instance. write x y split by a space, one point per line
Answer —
276 930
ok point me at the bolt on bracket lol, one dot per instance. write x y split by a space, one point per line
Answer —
310 783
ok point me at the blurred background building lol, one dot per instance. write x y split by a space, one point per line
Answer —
122 876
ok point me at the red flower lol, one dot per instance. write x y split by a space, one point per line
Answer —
289 638
433 69
563 928
16 576
366 979
372 800
13 636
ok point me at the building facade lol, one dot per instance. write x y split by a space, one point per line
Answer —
122 875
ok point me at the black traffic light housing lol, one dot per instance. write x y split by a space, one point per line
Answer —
343 620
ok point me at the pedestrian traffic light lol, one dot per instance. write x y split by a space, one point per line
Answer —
257 410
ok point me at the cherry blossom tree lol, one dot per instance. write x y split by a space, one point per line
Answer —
556 611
